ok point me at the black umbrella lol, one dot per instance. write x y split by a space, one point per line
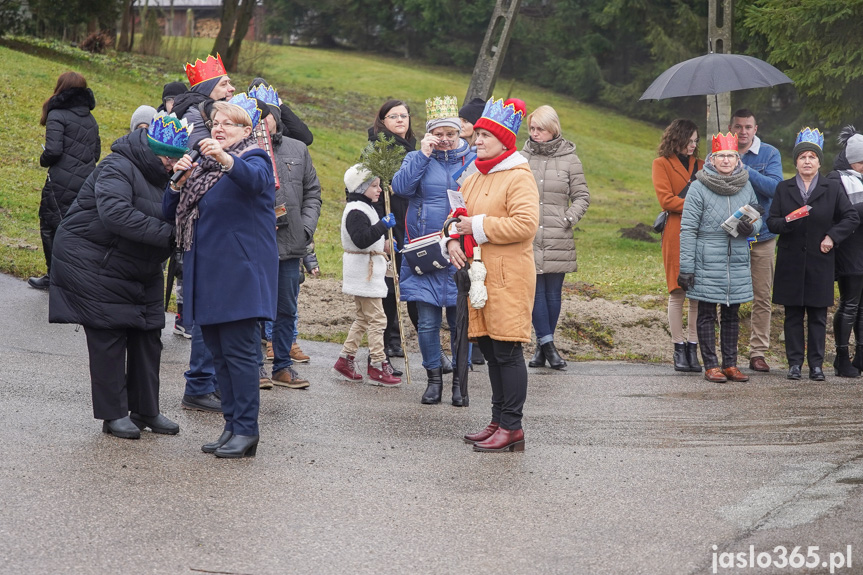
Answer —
462 357
714 74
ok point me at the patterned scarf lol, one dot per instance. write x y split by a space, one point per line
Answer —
203 178
852 181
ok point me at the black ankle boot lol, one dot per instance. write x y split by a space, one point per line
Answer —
842 363
554 359
858 358
692 357
538 359
435 386
681 363
457 399
445 363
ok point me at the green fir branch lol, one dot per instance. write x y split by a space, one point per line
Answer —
383 158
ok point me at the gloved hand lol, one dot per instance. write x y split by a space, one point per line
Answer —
758 208
389 221
744 228
686 281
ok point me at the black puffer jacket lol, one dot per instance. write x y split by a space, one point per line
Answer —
106 270
72 148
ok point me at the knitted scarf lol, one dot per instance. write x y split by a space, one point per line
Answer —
203 178
723 185
852 181
485 166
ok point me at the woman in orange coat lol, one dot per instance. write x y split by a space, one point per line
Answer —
673 170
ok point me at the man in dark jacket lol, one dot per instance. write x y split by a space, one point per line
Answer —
107 275
72 148
298 207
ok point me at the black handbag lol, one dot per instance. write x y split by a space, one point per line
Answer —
662 218
423 255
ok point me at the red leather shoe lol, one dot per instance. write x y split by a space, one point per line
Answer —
502 440
734 374
482 435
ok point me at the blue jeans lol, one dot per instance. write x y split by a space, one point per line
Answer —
546 306
428 332
201 375
286 313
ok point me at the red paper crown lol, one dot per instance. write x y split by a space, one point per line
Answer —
201 71
724 143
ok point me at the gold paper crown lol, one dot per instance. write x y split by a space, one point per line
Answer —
441 107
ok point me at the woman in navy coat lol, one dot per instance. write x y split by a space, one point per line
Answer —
424 178
227 227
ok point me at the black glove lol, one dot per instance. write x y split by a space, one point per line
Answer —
745 229
682 194
686 281
758 208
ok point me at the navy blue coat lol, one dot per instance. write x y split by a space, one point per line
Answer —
231 271
424 181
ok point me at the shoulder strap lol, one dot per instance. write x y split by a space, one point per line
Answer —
694 169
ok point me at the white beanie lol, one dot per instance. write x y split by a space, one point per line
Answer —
854 149
454 123
357 178
143 115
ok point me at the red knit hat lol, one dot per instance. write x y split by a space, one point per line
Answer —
503 119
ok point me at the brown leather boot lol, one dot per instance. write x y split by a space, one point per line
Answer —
502 440
482 435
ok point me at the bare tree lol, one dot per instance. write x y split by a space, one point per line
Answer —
127 28
236 17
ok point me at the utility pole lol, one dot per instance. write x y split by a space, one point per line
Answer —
493 50
720 20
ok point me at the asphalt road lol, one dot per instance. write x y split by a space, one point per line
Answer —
628 468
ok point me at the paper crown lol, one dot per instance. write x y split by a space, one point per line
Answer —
441 108
810 136
249 106
724 143
265 94
201 71
505 115
168 135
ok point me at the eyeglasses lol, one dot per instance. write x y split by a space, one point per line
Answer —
694 141
398 116
211 124
724 157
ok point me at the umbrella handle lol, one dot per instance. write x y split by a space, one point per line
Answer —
446 226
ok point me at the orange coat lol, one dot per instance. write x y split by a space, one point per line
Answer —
669 179
510 201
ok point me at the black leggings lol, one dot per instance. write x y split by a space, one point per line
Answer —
507 373
849 314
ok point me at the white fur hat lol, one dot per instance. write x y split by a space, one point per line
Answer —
356 176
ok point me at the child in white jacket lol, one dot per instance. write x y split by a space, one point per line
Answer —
364 266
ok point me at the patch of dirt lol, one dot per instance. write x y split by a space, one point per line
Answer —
641 233
589 327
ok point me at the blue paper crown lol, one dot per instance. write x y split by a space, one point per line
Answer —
506 116
265 94
249 106
807 134
168 133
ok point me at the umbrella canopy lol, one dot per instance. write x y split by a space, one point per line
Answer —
714 74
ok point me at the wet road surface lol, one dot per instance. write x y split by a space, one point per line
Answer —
628 468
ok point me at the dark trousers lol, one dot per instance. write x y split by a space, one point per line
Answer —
201 375
391 332
794 340
849 314
286 313
124 371
508 375
729 330
235 346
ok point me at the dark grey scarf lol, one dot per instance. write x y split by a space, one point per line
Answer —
203 178
723 185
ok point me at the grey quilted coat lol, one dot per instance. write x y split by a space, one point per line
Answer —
719 261
563 201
